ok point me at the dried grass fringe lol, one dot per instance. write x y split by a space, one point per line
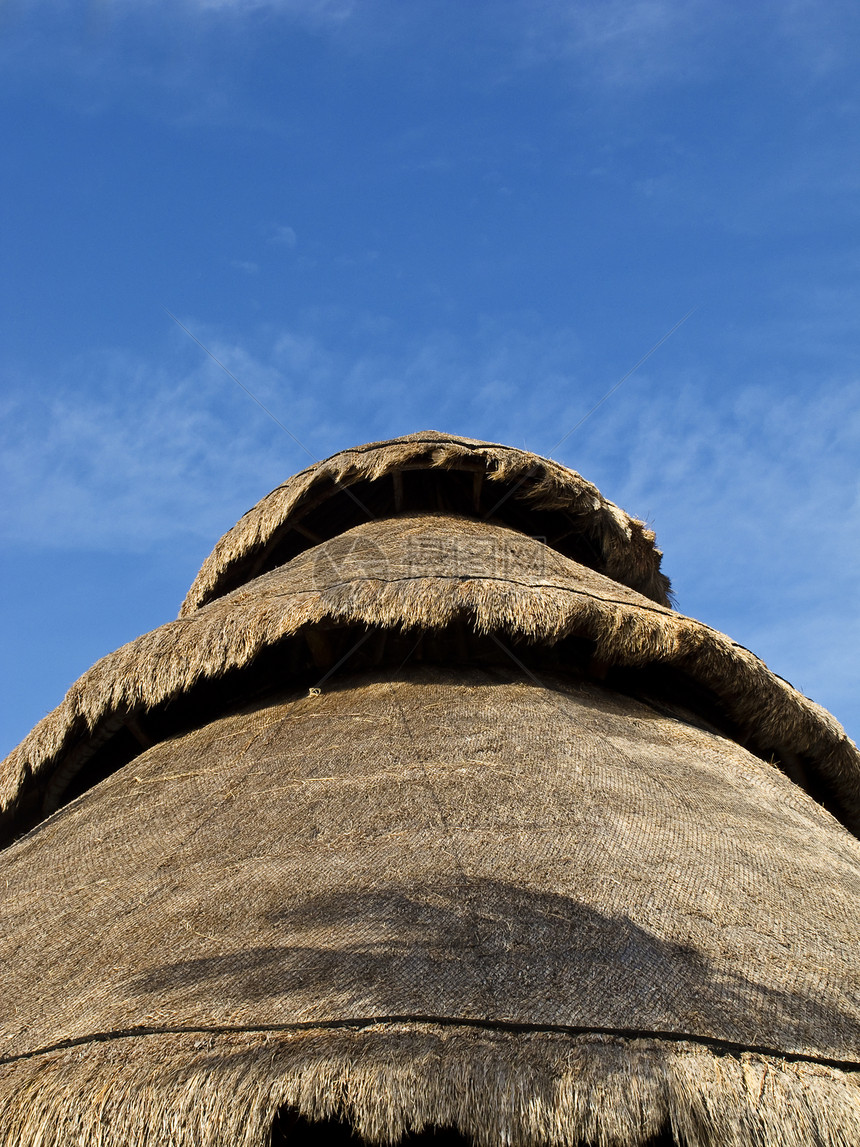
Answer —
229 633
535 1090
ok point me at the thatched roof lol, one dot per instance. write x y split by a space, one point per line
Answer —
432 574
535 857
435 472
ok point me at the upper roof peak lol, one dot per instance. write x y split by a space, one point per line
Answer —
434 471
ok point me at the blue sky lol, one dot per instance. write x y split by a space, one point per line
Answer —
387 216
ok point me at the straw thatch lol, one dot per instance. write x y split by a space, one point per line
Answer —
384 1079
432 471
430 574
536 859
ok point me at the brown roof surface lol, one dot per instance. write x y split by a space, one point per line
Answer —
447 860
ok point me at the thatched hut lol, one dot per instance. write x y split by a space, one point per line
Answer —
430 814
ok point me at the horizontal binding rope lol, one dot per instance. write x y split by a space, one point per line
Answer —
719 1046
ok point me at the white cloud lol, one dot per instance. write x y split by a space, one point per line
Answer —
128 459
282 236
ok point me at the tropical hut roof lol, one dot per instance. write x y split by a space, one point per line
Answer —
432 825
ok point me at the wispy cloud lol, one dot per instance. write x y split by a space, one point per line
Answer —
315 11
128 456
619 42
820 37
116 53
282 236
636 44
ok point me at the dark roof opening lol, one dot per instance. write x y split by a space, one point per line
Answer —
293 1130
